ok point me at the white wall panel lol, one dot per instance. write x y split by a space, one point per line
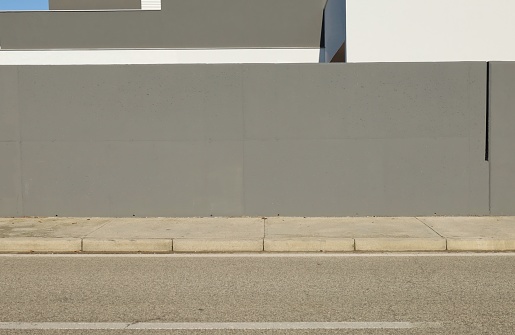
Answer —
430 30
151 4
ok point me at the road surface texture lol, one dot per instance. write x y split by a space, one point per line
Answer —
258 294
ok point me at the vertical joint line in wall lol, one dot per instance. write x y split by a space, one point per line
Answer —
487 130
487 134
264 232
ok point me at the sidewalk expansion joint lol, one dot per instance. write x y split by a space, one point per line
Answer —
91 232
432 229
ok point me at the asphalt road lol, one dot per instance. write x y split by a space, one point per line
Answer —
435 294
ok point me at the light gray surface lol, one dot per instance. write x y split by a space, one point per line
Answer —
281 234
355 227
180 24
233 140
180 228
94 4
502 137
486 228
449 290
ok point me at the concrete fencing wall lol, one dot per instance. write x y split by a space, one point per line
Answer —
233 140
502 137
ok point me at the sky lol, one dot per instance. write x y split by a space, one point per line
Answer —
23 5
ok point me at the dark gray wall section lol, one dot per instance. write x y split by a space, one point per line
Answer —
502 137
180 24
302 140
93 4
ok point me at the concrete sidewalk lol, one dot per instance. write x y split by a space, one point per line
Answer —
275 234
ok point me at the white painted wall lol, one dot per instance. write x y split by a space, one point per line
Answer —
430 30
158 56
151 4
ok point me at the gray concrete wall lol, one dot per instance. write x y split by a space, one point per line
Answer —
93 4
502 137
10 159
180 24
198 140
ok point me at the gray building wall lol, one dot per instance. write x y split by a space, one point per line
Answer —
93 4
502 137
180 24
199 140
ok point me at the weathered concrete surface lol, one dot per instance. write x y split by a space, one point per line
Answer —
370 234
475 233
181 228
500 227
128 235
381 227
50 227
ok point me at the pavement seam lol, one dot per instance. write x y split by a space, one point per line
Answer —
91 232
264 232
445 238
430 228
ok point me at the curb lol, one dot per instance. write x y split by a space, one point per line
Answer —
301 244
214 245
309 245
400 244
126 245
480 244
35 244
